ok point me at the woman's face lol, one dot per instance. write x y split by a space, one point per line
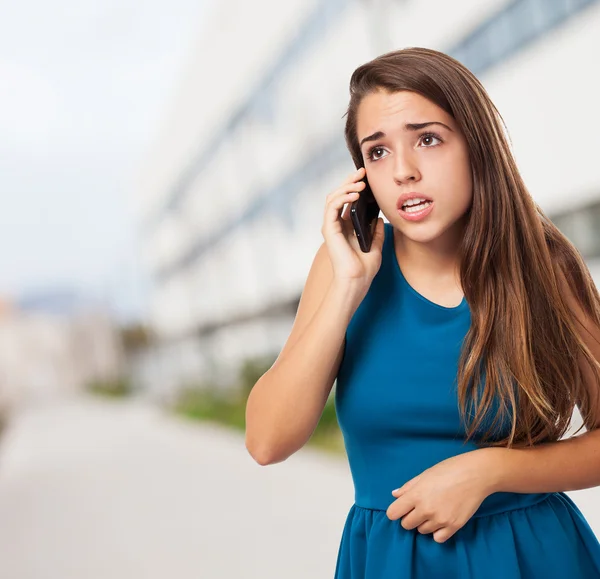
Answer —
432 161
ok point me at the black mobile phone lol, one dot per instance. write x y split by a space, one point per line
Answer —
364 213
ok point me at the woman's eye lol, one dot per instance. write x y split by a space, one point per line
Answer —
373 152
427 139
430 136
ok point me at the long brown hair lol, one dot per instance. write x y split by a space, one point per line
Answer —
523 335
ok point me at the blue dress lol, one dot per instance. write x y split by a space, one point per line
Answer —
398 411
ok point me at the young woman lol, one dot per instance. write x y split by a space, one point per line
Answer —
461 344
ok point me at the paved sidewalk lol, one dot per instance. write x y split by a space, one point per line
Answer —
102 489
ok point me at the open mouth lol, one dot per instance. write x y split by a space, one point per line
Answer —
416 208
416 212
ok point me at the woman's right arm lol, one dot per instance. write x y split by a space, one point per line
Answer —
285 405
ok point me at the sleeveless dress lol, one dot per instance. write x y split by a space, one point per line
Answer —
397 408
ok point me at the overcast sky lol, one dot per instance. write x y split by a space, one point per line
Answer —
84 86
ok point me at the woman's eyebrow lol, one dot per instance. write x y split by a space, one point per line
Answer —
407 127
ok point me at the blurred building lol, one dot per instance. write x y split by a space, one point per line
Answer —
230 198
51 346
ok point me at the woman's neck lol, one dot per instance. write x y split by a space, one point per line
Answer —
431 264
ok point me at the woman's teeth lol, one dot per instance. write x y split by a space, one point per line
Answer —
415 208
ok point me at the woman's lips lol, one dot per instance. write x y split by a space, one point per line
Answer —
411 195
416 215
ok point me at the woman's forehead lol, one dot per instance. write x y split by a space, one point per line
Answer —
398 108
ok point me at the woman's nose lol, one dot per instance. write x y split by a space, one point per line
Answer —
406 168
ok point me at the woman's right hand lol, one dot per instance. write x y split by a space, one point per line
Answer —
348 260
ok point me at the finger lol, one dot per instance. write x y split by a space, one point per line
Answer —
335 198
443 534
400 490
336 206
396 492
344 190
335 203
412 520
354 176
345 213
399 508
429 526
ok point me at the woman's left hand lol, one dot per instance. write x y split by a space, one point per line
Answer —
444 497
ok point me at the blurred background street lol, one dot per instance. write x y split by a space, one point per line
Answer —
118 489
163 172
98 489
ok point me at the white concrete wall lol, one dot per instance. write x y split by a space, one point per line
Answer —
542 92
548 96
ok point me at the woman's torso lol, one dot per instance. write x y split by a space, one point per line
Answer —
396 391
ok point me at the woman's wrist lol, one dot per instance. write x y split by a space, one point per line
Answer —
494 466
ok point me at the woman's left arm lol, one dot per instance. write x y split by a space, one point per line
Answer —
568 464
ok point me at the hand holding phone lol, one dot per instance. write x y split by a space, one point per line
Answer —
349 262
364 213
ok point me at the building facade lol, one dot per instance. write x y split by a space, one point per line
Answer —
230 199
